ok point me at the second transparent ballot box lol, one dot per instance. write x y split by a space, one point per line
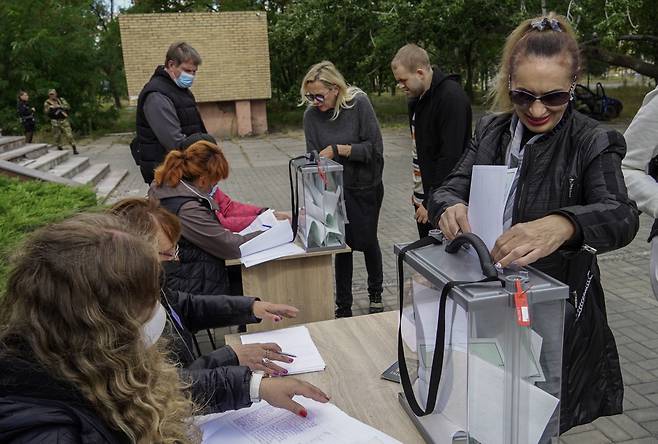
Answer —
500 376
320 203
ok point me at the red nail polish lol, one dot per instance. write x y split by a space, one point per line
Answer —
303 413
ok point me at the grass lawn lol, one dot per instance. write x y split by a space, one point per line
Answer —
27 205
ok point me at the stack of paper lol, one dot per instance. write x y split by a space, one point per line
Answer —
296 341
264 424
274 242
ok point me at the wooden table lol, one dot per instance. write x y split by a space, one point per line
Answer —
357 350
304 280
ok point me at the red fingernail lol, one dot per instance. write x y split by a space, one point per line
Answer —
303 413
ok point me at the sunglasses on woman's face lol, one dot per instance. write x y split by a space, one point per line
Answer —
314 97
525 99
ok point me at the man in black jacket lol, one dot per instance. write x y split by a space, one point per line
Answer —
440 123
166 109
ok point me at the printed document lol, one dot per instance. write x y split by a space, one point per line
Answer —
264 424
296 341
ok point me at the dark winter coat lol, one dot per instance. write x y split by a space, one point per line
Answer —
219 383
146 148
442 126
36 408
574 171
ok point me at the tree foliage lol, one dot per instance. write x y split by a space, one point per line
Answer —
59 44
74 45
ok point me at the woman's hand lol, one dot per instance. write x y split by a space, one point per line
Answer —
281 215
279 392
454 221
421 214
528 242
273 312
260 357
327 153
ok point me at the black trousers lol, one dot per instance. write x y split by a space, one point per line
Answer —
363 208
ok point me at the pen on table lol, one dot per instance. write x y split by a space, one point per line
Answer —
267 226
288 354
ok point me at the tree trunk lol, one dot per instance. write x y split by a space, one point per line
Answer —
468 57
623 60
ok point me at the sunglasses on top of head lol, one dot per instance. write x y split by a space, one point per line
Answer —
314 97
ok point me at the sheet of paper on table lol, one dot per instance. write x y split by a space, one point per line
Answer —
289 249
296 341
264 424
279 234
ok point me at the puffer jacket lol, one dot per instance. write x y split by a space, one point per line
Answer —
219 383
204 244
574 171
234 215
36 408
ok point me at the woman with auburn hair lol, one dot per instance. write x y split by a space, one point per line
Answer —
223 379
341 124
78 326
567 203
182 184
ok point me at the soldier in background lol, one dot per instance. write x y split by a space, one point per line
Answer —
57 108
26 114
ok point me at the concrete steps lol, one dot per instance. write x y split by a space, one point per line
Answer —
71 167
26 152
8 143
38 162
93 174
50 160
109 183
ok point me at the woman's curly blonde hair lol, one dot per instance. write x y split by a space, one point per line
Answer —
76 300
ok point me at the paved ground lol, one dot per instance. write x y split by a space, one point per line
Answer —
259 175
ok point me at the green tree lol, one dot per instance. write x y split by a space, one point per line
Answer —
54 44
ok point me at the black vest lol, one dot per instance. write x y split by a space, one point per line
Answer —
146 149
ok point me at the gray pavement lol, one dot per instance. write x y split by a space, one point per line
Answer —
259 175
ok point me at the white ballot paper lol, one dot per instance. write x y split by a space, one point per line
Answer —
296 341
264 424
263 222
490 186
279 234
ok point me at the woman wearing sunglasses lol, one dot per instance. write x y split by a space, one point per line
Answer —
341 125
568 200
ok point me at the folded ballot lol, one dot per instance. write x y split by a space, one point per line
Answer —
295 341
263 424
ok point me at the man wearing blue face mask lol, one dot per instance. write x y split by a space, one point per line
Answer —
167 113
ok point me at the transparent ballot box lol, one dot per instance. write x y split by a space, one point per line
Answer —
320 203
500 376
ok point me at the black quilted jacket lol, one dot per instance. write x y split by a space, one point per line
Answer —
219 383
574 171
37 408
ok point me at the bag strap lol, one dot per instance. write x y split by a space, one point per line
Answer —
437 359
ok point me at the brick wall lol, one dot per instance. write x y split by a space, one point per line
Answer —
233 46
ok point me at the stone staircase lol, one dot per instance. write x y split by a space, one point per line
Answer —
41 161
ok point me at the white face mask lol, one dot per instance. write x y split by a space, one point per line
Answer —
152 330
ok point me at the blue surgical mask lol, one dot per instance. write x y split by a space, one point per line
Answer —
184 80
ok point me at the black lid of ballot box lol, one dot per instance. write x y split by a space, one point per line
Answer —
439 267
327 164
